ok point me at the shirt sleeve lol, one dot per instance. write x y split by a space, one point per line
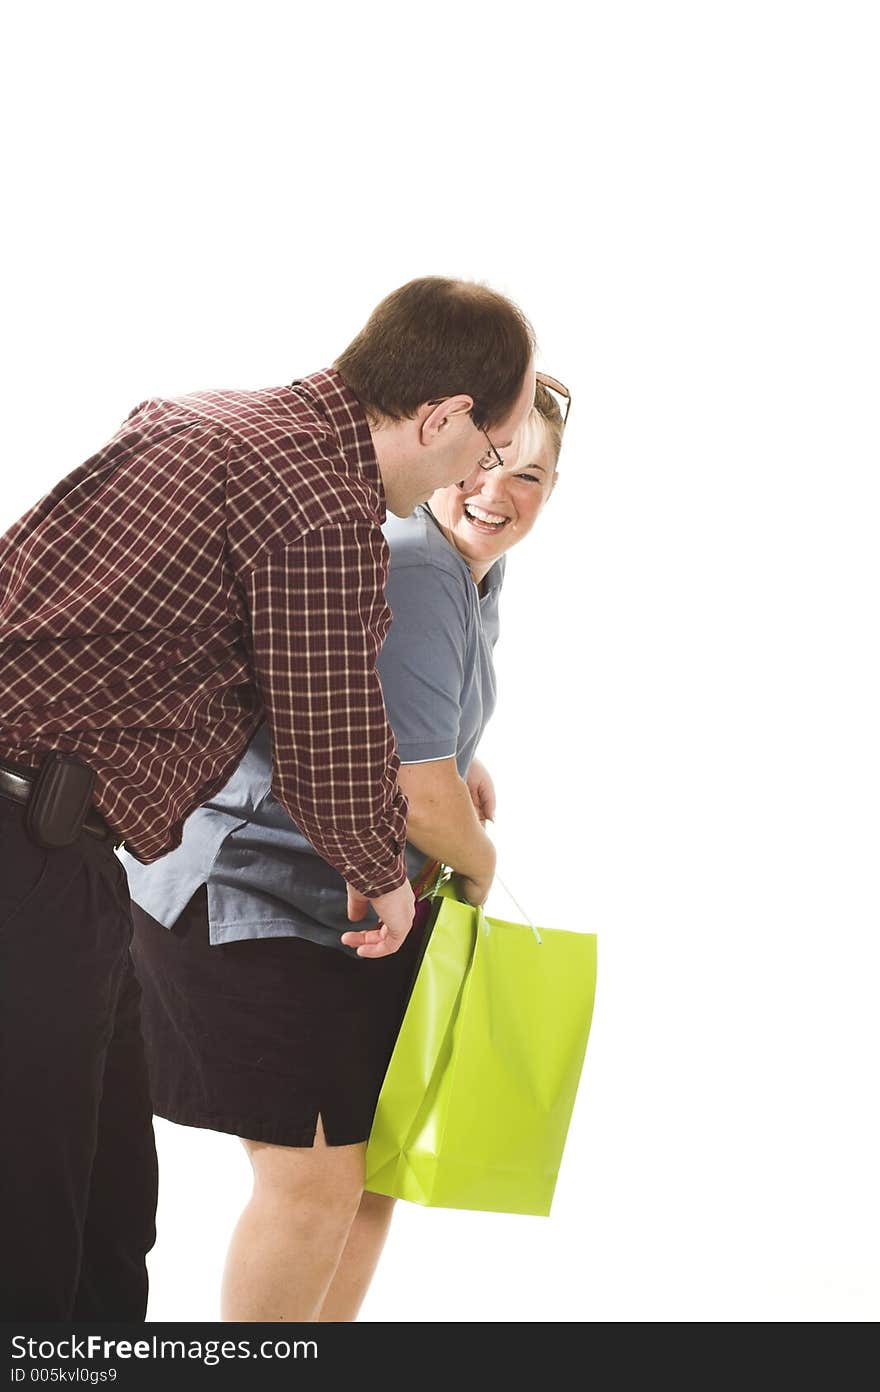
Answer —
318 618
422 663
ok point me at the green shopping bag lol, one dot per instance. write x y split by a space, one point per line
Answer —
478 1096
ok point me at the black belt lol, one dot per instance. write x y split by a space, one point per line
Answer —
15 783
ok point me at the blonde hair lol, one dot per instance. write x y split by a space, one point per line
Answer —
542 427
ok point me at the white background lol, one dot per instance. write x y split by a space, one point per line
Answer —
683 197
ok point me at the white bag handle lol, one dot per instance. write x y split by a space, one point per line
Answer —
437 871
520 908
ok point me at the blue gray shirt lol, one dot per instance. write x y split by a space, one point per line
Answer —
264 878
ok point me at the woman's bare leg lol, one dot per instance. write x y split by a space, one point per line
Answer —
289 1240
359 1260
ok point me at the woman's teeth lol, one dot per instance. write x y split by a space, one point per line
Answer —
486 519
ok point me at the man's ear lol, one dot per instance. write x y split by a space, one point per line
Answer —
440 415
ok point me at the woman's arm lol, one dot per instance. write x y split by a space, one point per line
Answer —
443 822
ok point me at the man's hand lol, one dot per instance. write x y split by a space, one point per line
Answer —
482 791
395 911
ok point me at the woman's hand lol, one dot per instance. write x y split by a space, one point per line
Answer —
475 888
482 791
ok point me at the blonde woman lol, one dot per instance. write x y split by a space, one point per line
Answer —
263 1015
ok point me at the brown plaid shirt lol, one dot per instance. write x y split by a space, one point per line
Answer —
221 559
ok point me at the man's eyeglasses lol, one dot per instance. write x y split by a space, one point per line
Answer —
492 453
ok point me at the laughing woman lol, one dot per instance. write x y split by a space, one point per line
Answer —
263 1013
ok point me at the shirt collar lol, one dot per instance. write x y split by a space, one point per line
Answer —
494 575
345 413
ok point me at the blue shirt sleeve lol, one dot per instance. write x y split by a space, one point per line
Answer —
422 661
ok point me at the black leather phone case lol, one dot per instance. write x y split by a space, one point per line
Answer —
59 800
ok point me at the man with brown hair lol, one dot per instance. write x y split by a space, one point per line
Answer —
220 561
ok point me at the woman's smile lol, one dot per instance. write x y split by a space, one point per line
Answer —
484 519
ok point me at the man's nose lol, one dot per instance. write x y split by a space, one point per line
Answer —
472 482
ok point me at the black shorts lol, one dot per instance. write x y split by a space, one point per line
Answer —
258 1038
